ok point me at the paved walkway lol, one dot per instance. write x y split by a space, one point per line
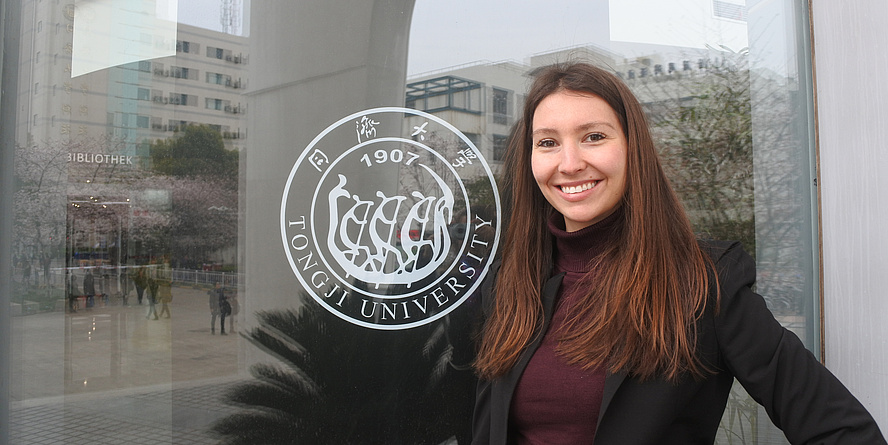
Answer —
108 375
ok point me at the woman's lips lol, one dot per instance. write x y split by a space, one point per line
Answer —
570 190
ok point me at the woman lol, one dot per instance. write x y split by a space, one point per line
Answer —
164 288
608 320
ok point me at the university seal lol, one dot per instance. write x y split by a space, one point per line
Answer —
390 218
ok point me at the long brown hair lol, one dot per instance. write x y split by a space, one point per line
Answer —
651 283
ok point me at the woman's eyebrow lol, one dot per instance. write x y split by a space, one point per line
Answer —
583 127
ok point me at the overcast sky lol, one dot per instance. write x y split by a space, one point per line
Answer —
446 33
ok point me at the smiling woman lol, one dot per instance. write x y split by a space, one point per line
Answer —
579 157
606 298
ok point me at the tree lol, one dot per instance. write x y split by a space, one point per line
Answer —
198 150
46 182
340 383
41 178
704 132
201 176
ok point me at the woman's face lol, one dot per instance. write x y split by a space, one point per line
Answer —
579 157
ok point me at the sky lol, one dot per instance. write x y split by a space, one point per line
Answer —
499 30
447 33
514 30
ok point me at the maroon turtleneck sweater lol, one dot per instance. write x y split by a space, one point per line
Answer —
554 402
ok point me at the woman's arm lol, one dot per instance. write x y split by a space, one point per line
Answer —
800 395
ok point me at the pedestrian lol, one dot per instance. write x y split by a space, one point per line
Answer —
140 281
152 285
164 289
89 288
224 310
26 270
46 262
214 305
106 285
608 321
124 287
72 290
235 306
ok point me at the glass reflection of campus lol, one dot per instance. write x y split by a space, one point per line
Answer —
167 164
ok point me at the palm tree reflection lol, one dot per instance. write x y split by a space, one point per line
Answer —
339 383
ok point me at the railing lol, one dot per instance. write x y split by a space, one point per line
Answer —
189 276
179 276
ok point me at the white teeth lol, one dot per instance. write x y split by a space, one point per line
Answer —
579 188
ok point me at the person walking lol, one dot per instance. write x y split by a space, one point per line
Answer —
224 309
72 290
89 288
46 262
152 286
214 294
164 289
140 281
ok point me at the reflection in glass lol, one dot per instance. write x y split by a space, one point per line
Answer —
179 152
340 383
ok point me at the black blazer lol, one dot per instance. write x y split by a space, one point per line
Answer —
739 339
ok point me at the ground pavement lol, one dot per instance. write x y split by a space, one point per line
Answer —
109 375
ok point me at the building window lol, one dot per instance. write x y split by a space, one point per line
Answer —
177 125
145 66
215 104
499 147
500 106
444 93
143 94
142 121
180 72
183 99
215 78
217 53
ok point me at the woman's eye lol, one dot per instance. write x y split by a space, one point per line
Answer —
595 137
545 143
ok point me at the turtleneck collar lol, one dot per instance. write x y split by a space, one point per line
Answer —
574 250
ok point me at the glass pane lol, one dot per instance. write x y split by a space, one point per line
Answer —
324 176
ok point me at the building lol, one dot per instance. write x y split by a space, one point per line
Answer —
201 82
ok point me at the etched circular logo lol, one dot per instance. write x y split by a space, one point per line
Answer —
390 218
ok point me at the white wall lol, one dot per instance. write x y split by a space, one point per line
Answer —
852 99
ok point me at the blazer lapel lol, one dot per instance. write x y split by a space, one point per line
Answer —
611 384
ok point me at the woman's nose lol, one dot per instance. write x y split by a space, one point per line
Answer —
571 160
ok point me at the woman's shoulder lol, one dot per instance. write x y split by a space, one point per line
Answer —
733 265
720 249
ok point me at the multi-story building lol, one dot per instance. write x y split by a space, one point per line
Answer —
484 99
200 81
